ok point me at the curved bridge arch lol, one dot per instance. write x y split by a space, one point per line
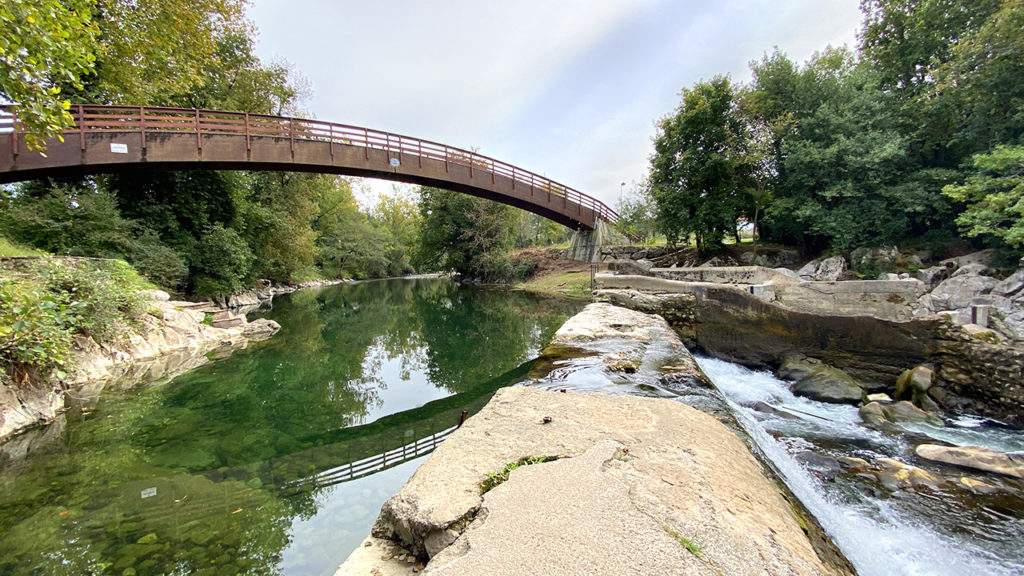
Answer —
116 139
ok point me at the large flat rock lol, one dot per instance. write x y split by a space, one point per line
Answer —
639 486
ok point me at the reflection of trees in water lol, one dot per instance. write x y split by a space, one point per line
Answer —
478 333
286 395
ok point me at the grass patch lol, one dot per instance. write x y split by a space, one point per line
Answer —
691 546
575 283
10 249
499 477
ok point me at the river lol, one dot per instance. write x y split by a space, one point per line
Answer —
276 459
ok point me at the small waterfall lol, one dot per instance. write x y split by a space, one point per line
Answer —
882 534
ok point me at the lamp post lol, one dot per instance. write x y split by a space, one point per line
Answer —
622 187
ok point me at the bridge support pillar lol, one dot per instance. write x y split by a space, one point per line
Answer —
585 245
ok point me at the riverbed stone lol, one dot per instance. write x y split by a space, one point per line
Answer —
974 457
914 382
874 417
904 411
796 366
635 480
828 384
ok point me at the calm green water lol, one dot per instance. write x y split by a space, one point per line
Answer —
243 465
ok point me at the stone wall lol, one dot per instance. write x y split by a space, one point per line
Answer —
730 323
887 299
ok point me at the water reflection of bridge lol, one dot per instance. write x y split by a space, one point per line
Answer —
371 464
350 453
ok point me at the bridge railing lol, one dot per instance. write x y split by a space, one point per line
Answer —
153 120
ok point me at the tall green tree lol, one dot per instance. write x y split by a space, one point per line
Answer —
274 214
151 52
463 233
697 170
44 45
638 214
982 81
994 195
349 245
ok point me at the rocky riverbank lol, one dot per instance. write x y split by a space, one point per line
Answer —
171 337
961 324
554 482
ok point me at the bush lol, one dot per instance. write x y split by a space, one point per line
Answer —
35 331
221 262
105 294
45 303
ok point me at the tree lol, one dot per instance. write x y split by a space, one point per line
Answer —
349 244
697 170
982 81
536 230
151 52
463 233
994 194
44 44
274 214
638 214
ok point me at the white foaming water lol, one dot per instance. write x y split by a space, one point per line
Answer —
876 535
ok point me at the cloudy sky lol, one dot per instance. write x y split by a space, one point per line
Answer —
570 89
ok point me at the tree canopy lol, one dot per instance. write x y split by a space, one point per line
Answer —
911 136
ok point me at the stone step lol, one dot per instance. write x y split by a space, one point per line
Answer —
229 322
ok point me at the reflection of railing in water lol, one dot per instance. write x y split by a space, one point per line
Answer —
372 464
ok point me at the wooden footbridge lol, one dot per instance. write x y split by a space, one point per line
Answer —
109 139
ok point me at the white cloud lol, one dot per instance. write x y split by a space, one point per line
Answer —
569 89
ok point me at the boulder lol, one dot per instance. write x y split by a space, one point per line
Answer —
975 269
904 411
895 475
914 382
975 458
828 384
882 258
619 496
158 295
983 257
786 272
630 267
931 277
874 417
796 366
260 327
1011 287
719 261
828 269
958 292
771 259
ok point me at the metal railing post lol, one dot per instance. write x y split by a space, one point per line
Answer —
14 132
81 127
199 133
142 126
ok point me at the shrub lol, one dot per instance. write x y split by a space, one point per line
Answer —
45 303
